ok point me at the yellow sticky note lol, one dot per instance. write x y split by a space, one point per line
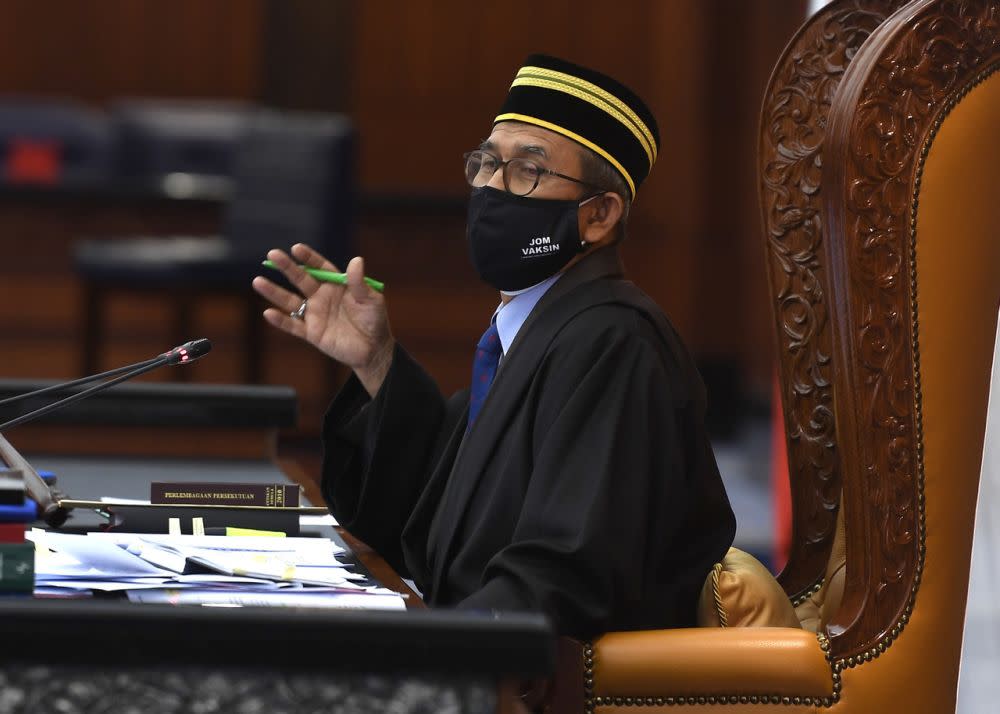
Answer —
231 531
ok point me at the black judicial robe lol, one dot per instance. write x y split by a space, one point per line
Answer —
587 488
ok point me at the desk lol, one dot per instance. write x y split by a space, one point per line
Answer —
77 656
90 477
171 659
71 656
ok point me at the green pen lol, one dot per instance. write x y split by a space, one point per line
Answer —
328 276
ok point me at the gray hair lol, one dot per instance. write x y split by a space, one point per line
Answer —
598 171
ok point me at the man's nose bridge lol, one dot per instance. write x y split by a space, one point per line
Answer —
497 179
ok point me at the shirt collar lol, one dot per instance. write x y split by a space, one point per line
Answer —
510 316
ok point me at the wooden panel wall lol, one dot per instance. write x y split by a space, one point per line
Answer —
97 50
423 81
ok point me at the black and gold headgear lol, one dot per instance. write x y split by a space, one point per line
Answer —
589 108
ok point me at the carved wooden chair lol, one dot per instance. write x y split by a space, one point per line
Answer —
880 188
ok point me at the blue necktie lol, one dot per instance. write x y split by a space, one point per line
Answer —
484 369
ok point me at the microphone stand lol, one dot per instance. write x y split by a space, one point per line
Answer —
50 511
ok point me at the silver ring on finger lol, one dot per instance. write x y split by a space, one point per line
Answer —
299 314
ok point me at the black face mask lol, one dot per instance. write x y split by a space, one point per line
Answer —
518 241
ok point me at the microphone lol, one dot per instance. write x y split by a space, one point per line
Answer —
53 514
188 352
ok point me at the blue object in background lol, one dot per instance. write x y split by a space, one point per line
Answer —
28 511
24 513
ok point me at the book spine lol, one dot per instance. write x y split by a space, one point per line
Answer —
17 567
11 487
225 494
142 519
11 532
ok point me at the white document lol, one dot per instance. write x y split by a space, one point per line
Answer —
298 598
107 586
320 548
95 558
229 565
307 560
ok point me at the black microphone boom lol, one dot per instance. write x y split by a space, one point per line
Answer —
53 514
184 354
63 386
188 352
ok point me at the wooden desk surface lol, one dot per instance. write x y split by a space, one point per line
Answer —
303 470
381 571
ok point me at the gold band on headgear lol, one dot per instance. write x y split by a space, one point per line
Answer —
589 108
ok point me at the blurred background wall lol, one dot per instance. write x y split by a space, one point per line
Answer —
422 82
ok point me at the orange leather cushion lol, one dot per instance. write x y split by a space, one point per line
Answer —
816 610
740 592
691 661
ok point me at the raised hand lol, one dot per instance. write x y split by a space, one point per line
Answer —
348 323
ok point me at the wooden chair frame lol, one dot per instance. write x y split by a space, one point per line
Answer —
793 128
849 118
893 100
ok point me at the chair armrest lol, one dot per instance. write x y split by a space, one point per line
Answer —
712 662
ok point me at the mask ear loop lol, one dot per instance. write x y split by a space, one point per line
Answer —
583 244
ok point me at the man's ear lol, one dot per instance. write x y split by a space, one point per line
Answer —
599 216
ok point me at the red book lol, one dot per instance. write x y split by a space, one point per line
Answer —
11 532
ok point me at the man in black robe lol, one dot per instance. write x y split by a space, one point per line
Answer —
576 478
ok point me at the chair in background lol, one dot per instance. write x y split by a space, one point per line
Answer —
52 142
293 181
183 147
886 287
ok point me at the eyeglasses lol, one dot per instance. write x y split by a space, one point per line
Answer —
520 176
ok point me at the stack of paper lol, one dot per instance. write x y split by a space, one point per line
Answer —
207 570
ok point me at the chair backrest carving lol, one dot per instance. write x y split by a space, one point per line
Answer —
792 130
912 376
